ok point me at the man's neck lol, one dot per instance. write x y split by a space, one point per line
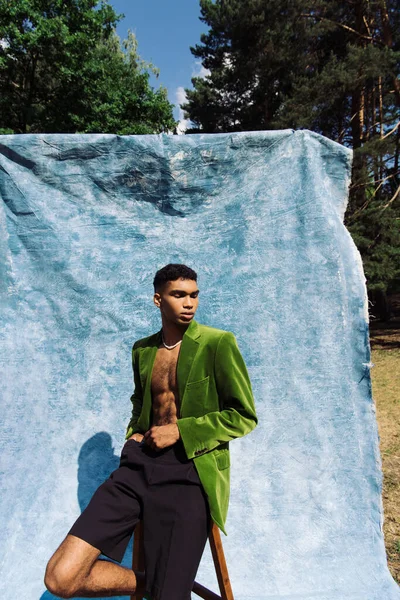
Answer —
173 333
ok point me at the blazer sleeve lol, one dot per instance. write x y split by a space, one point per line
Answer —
136 398
238 415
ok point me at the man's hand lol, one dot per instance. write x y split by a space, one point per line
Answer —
136 436
161 436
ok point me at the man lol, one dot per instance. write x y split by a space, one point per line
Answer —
192 396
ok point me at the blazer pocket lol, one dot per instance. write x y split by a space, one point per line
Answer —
199 383
197 399
223 459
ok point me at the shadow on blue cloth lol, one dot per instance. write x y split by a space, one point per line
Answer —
95 463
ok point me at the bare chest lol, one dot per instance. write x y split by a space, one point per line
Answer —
164 386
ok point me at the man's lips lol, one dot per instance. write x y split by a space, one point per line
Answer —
187 314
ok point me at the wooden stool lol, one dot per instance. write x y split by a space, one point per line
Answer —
218 557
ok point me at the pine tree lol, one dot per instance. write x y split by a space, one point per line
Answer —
326 65
351 93
252 51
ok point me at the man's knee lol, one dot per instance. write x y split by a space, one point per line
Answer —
58 581
69 566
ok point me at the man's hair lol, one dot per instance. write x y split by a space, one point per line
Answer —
171 272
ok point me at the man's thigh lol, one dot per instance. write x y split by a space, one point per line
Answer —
72 561
113 512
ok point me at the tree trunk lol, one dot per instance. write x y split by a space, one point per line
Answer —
388 41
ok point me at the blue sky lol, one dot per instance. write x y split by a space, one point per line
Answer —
164 31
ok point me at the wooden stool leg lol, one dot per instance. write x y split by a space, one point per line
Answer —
138 555
220 563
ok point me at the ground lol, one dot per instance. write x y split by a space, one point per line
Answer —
385 376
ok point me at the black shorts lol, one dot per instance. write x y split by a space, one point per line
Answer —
163 489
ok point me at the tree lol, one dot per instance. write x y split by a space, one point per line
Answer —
326 65
351 93
62 69
253 51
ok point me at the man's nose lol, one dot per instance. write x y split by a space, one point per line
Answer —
188 302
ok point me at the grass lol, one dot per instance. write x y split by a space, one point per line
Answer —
385 376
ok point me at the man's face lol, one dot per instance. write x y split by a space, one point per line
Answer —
178 300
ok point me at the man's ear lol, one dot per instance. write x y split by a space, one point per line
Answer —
157 299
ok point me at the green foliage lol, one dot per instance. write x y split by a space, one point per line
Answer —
326 65
252 53
375 237
63 69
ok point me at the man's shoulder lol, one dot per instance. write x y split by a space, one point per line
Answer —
212 333
146 341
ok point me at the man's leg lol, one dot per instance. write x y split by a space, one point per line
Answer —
104 527
177 522
74 570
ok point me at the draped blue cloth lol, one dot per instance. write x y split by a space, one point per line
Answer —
85 222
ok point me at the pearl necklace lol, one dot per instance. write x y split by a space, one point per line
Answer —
169 347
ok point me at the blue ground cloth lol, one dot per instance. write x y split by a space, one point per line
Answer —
85 222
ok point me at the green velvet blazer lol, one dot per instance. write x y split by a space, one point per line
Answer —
216 403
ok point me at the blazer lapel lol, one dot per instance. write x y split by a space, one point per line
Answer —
190 345
187 353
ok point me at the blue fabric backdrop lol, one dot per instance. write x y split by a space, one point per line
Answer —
86 220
